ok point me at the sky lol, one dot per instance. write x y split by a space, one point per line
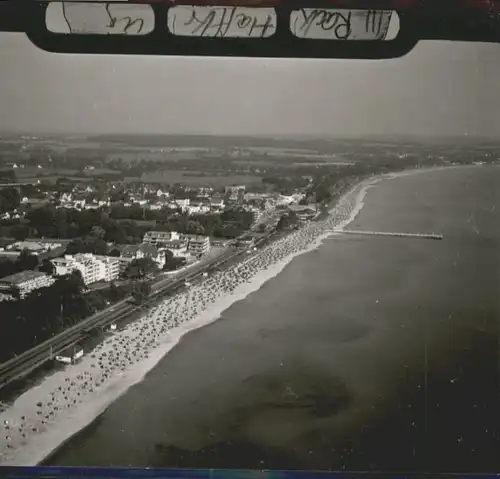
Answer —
440 88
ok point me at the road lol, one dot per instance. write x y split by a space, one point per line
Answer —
28 361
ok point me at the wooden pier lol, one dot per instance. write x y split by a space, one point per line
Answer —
433 236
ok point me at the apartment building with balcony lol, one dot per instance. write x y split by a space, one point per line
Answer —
198 245
179 248
93 268
160 238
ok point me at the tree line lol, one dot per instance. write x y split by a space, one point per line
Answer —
47 311
52 222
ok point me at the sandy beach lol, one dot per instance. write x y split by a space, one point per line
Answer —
47 415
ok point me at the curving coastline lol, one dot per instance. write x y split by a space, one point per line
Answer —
46 416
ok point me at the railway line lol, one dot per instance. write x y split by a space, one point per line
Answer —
25 363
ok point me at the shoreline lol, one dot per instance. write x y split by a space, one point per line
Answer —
41 444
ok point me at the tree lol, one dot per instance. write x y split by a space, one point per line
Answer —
97 232
176 263
141 292
76 246
95 301
20 232
89 244
75 281
61 223
47 267
169 255
42 219
30 191
322 192
194 227
7 267
145 288
99 247
287 221
115 253
9 199
26 261
172 262
7 176
115 233
139 268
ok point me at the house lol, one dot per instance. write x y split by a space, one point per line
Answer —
144 250
234 190
149 251
204 192
23 283
217 203
182 203
199 208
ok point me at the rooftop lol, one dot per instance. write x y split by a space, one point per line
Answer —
21 277
70 351
197 238
31 245
298 208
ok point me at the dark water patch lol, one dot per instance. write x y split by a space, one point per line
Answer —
320 397
265 428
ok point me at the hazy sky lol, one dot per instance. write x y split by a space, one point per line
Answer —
439 88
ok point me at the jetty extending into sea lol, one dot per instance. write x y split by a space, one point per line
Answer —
433 236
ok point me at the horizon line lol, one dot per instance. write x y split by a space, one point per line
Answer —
287 136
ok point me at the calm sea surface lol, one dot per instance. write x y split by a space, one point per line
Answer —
368 353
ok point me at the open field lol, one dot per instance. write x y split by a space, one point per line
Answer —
192 178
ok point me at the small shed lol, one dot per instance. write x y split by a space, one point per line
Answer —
70 355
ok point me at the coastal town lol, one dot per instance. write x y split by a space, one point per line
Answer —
101 278
153 335
88 223
109 241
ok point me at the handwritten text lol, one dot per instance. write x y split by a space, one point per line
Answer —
335 24
224 22
99 18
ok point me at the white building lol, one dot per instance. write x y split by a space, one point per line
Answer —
93 268
217 203
179 247
111 267
160 238
234 190
144 250
34 247
182 203
25 282
198 245
70 355
197 209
